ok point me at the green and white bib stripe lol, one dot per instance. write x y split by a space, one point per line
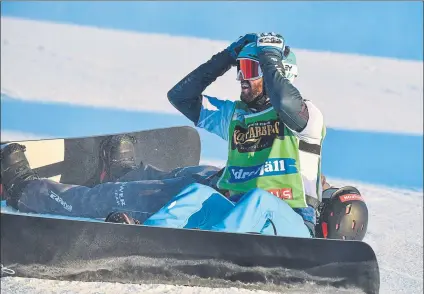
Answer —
264 153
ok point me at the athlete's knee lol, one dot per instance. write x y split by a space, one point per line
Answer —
199 187
258 196
200 190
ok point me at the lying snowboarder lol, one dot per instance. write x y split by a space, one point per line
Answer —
125 185
272 180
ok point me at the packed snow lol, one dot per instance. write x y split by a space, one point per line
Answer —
89 66
97 67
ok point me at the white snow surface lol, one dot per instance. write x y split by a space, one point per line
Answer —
21 285
89 66
20 136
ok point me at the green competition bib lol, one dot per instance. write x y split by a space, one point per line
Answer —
263 153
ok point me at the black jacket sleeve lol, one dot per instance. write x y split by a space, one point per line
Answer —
186 95
284 97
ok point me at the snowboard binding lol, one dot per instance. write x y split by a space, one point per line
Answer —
121 218
15 172
117 155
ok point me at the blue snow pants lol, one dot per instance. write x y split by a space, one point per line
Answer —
201 207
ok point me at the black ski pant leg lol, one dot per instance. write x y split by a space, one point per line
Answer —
140 199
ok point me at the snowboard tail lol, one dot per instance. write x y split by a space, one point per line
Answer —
61 249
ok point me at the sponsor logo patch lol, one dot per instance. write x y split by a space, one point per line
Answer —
119 195
256 136
283 193
272 167
350 197
59 200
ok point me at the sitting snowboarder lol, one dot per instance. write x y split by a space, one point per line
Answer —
273 170
272 180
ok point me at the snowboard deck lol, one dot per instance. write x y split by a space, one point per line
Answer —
39 247
76 160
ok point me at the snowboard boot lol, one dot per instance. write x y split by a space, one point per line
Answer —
15 172
117 157
121 218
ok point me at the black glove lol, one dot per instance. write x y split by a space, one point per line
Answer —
236 47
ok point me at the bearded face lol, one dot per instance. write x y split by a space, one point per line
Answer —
251 89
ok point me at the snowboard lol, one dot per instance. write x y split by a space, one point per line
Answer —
41 246
62 249
76 160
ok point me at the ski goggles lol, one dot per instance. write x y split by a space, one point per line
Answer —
248 69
